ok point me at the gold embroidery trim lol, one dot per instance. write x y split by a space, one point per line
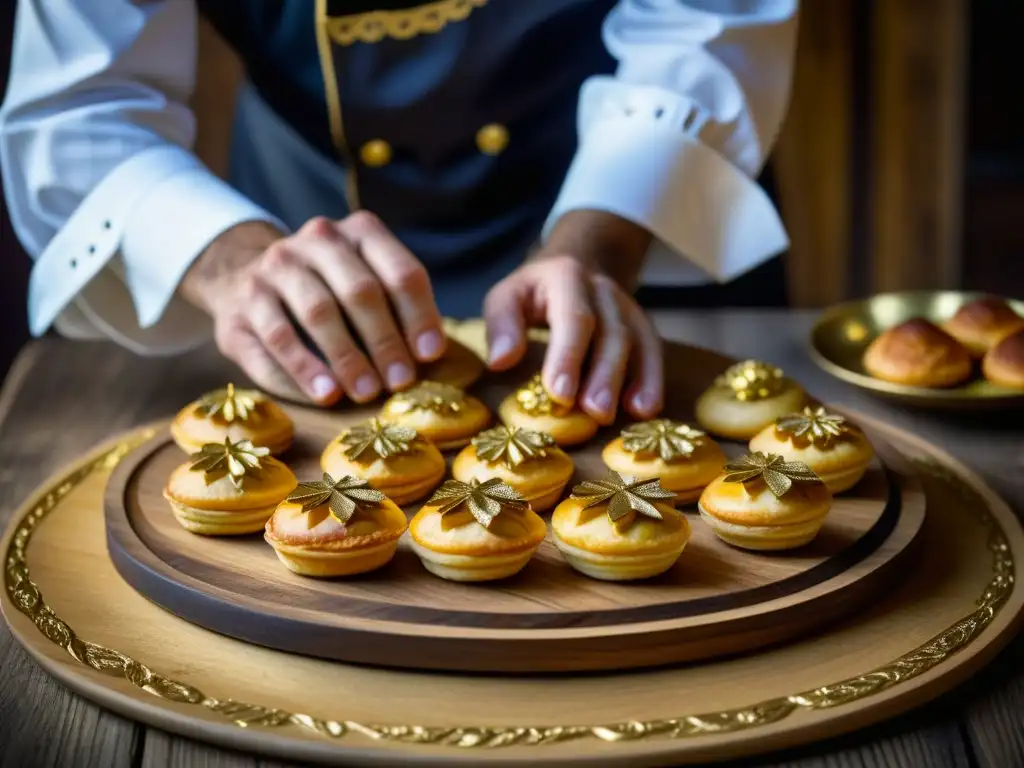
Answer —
333 99
27 598
374 26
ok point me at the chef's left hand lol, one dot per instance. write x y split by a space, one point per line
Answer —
579 285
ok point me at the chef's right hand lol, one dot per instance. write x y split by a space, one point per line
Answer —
336 278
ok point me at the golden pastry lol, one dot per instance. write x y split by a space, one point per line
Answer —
835 450
440 413
233 414
746 398
476 531
459 366
620 528
684 459
532 407
763 502
918 353
529 462
335 528
227 489
1004 363
394 459
980 324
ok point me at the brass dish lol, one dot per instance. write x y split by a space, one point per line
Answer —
842 333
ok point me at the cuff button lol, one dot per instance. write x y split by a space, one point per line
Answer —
492 139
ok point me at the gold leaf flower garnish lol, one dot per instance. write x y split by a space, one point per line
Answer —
623 494
380 437
752 380
336 498
484 501
669 440
231 404
429 396
534 399
816 425
777 473
236 460
511 445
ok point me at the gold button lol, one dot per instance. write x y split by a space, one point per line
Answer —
375 153
492 139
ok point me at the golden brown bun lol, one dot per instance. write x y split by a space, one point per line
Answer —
459 366
686 476
840 465
540 480
720 413
447 430
1004 363
567 429
979 325
366 542
270 427
918 353
403 478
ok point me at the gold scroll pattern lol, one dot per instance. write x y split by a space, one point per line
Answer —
27 598
374 26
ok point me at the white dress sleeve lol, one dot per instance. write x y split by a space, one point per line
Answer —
101 184
674 141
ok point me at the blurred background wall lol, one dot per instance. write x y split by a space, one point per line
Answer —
901 164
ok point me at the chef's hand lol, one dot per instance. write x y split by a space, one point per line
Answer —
579 285
332 276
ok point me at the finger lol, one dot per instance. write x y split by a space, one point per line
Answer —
317 311
506 324
571 322
277 335
405 280
242 347
645 396
610 360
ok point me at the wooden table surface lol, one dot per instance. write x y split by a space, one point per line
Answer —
62 397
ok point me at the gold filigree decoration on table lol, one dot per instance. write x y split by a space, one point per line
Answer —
374 26
235 460
752 380
815 425
623 495
777 473
379 437
668 440
511 445
335 498
231 404
429 396
484 501
26 598
535 400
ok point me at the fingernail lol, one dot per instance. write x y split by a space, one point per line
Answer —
563 387
502 346
429 345
366 386
643 401
602 401
399 375
323 386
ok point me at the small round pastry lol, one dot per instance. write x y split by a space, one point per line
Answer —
476 531
980 324
763 502
459 366
228 489
233 414
746 398
392 458
1004 363
440 413
620 528
528 462
918 353
684 459
532 407
335 528
835 450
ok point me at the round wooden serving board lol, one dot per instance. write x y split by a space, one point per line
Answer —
717 600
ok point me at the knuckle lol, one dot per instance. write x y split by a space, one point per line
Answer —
347 361
319 226
279 337
276 257
320 311
410 280
362 222
362 291
388 347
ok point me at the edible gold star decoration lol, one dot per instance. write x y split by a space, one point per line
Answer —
777 473
534 398
335 498
669 440
429 396
623 494
484 501
814 424
231 404
380 437
237 460
511 445
752 380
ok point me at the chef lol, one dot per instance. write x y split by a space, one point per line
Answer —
393 163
